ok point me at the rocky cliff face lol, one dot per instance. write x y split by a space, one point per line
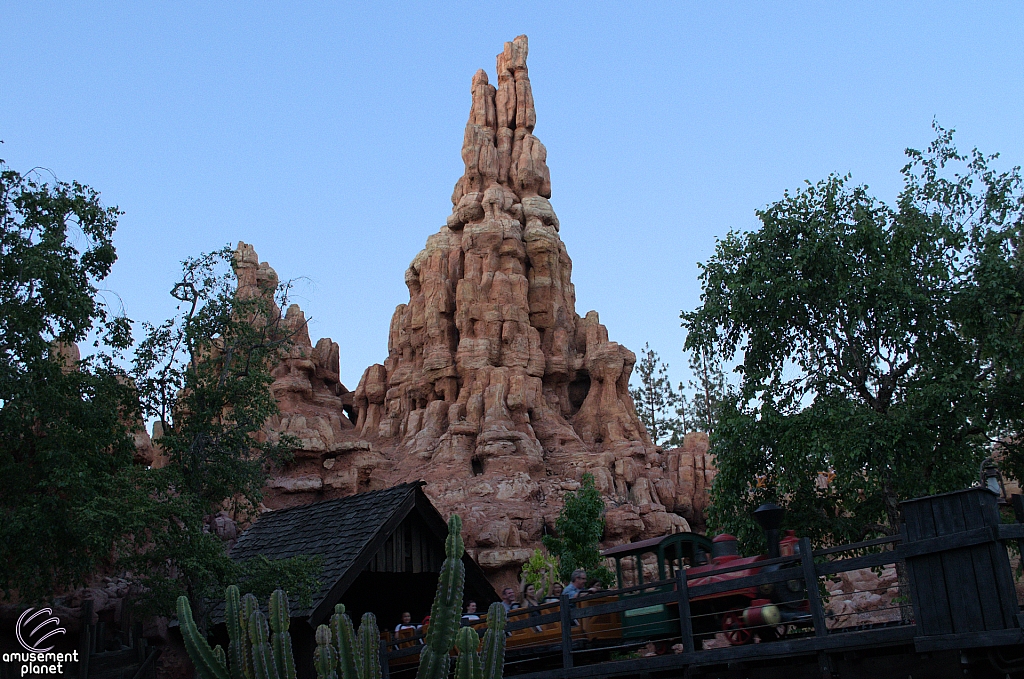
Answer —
495 391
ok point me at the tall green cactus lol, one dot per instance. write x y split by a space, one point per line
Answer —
236 634
368 643
344 642
446 612
282 640
468 664
493 656
203 657
263 664
325 658
249 605
250 654
489 663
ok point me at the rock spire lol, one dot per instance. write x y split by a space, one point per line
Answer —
495 391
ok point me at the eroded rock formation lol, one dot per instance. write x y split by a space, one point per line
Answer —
495 391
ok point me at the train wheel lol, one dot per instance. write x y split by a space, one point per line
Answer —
735 633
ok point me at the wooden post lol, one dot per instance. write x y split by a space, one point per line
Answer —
385 669
84 639
811 581
565 609
685 622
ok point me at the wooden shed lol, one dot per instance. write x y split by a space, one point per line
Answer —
381 552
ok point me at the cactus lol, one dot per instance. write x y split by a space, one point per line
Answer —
489 663
282 640
208 665
236 634
492 658
344 642
445 614
368 643
248 606
250 655
263 664
468 664
357 654
325 658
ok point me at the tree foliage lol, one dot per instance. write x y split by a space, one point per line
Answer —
880 344
579 527
204 375
72 500
667 413
541 571
658 405
65 440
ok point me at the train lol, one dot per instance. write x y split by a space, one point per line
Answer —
767 612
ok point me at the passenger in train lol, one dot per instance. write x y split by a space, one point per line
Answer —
528 599
555 593
528 596
405 624
577 584
508 599
470 615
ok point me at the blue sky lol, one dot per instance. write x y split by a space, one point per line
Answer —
328 135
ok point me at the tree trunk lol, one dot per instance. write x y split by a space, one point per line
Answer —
893 517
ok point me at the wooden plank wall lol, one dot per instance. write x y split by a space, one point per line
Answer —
411 548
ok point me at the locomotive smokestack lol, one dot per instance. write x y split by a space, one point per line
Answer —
769 517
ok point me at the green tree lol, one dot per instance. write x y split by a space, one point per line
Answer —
65 439
579 527
541 571
204 375
657 404
880 345
710 387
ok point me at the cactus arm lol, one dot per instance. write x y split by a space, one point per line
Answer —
248 606
263 664
218 653
368 641
233 622
468 664
208 665
282 640
492 658
445 613
325 659
344 643
432 665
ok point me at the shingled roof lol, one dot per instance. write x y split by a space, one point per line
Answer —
345 533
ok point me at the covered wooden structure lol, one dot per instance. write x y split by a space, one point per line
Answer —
381 552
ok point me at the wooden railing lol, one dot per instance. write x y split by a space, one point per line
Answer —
806 567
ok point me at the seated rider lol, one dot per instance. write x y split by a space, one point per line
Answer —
508 599
556 591
528 599
577 584
405 624
470 615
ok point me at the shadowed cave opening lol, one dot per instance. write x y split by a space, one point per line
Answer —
578 390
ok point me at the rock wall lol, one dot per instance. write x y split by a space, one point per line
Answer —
495 391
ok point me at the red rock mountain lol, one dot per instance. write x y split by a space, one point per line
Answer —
495 391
